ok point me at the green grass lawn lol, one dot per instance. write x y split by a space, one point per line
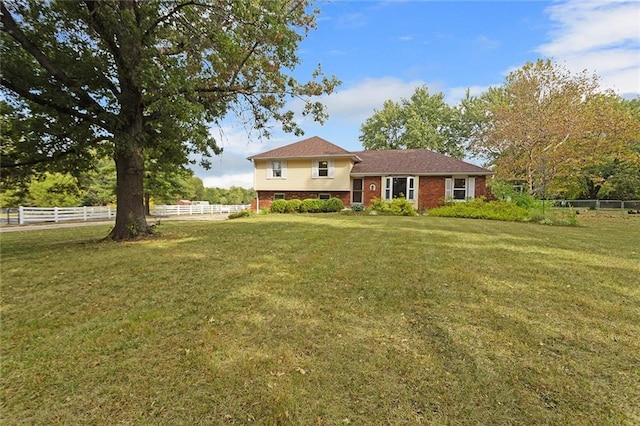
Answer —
324 320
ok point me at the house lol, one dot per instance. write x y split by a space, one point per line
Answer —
316 168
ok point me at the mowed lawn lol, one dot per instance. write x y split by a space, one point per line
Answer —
324 320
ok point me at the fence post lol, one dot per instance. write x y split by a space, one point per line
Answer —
598 206
84 213
21 215
55 214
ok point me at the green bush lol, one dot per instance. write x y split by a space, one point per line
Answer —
395 207
479 209
312 205
333 205
279 206
293 206
553 217
357 207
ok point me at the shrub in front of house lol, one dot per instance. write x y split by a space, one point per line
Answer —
293 206
311 205
395 207
278 206
333 205
480 209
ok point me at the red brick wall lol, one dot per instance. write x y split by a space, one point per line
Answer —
430 192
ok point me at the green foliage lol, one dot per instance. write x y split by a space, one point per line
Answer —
333 205
395 207
142 81
312 205
554 217
423 121
480 209
278 206
357 207
233 195
293 206
54 190
241 214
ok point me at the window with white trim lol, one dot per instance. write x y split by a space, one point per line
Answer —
400 187
459 188
276 169
323 169
324 196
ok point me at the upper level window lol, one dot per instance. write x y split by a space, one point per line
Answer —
322 169
276 170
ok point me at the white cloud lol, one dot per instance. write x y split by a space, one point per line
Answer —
454 95
243 180
354 104
601 36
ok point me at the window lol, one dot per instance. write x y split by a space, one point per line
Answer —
400 187
322 169
459 188
356 191
278 196
276 170
324 196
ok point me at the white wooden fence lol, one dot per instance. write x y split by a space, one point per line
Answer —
173 210
28 215
60 214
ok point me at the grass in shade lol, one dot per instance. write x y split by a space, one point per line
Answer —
324 319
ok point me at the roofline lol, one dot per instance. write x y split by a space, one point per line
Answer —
304 157
472 173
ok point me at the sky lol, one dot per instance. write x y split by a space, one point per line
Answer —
384 50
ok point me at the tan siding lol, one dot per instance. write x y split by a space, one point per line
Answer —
299 177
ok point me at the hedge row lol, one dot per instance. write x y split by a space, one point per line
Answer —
310 205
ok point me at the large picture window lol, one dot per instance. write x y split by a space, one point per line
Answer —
400 187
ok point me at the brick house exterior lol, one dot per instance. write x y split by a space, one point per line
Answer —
316 168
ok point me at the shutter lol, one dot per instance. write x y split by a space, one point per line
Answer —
283 169
331 171
471 188
269 169
411 189
388 184
448 189
314 168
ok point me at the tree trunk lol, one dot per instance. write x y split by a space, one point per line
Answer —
131 221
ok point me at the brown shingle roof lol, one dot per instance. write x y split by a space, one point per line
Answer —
378 162
412 161
311 147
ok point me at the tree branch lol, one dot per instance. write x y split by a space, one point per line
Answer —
50 104
10 26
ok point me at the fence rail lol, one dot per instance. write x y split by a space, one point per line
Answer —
177 210
600 205
26 215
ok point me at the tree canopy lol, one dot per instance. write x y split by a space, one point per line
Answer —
423 121
144 80
547 128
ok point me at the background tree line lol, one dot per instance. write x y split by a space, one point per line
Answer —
550 132
97 187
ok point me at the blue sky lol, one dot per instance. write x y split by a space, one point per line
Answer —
383 50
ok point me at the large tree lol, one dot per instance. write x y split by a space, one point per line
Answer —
142 80
423 121
546 126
